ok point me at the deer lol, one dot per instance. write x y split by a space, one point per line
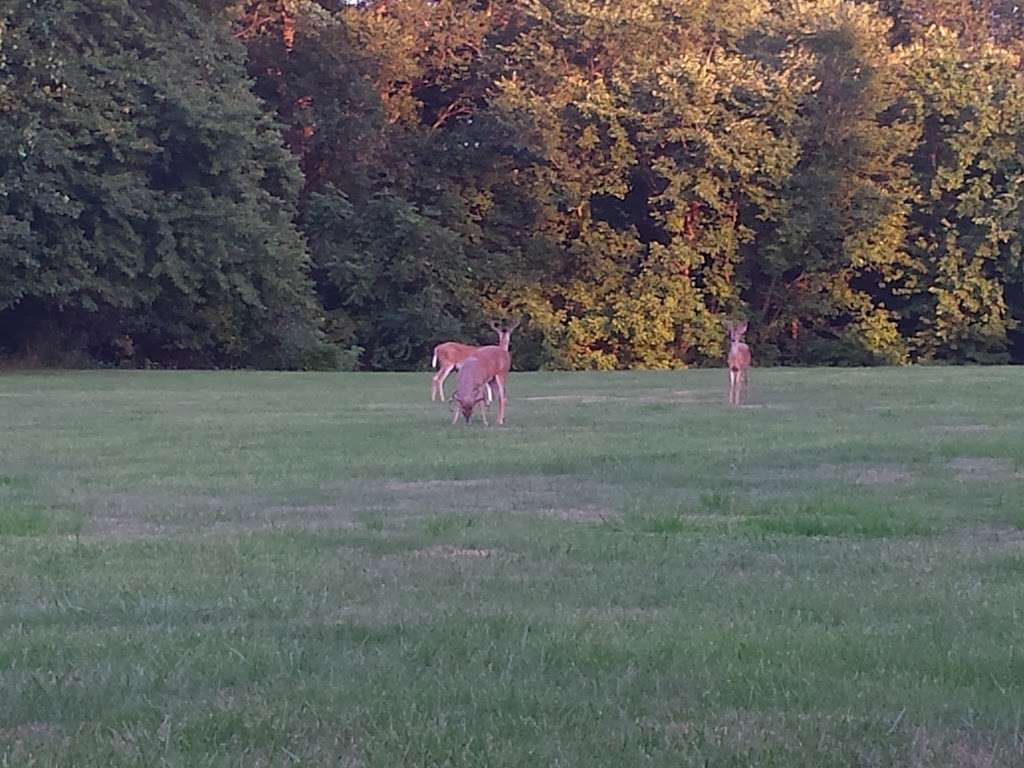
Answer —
449 355
739 360
486 366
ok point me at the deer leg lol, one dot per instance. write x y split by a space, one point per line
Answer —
490 396
441 376
483 413
438 380
500 384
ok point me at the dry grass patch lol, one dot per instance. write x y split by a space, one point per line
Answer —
18 742
130 514
385 406
432 486
864 474
33 731
533 494
882 474
994 536
962 750
134 514
124 529
582 514
137 515
569 398
752 732
671 396
451 552
965 428
621 614
970 468
309 516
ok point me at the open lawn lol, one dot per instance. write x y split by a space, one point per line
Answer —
252 569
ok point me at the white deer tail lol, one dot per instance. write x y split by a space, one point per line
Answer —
434 363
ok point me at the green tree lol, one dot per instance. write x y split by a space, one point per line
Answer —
656 142
830 259
146 201
629 173
411 223
968 217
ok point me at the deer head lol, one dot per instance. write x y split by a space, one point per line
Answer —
465 405
504 331
736 331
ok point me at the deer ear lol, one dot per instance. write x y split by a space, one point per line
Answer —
742 328
514 324
495 325
727 324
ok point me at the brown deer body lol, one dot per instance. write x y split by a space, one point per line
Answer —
739 361
449 355
485 367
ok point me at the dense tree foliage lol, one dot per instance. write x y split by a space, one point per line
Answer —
147 205
315 182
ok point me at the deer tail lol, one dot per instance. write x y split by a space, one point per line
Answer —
434 363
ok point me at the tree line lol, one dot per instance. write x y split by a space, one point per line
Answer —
325 184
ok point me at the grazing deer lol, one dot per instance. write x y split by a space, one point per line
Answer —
450 354
739 360
486 366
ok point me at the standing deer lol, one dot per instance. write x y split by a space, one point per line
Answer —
739 360
449 355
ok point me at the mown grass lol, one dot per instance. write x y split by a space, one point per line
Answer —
240 569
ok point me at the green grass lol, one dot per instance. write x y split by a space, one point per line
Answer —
841 516
245 569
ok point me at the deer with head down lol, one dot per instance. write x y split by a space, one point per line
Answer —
739 360
484 368
449 355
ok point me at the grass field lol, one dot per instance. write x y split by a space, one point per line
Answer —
250 569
